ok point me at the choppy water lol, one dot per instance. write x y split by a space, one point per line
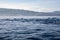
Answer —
15 30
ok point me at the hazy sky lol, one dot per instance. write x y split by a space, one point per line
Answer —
35 5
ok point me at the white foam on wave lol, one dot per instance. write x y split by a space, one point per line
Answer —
11 17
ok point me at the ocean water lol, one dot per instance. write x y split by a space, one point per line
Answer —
16 30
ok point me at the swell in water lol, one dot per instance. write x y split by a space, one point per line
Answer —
17 30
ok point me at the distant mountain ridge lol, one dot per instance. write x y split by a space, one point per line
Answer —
20 12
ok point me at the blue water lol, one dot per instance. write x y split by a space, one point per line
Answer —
16 30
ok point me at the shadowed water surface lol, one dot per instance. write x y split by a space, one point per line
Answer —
15 30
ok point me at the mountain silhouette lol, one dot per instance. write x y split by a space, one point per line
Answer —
20 12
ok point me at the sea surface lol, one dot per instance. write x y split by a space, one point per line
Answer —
16 30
